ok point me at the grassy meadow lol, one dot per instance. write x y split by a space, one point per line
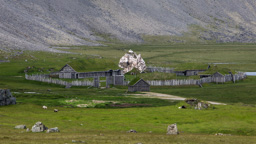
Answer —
112 112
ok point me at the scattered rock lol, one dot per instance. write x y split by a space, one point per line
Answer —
82 105
191 101
56 110
28 130
202 105
221 134
172 129
20 127
44 107
197 104
6 97
78 141
52 130
39 127
132 131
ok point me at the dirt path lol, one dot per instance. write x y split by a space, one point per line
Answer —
169 97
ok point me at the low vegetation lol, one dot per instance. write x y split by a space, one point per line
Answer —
105 115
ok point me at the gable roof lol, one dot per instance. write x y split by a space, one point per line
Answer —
67 65
142 81
217 74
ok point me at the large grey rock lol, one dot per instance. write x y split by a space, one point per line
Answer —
52 130
20 127
172 129
39 127
6 97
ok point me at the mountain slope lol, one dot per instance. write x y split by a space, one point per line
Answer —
38 24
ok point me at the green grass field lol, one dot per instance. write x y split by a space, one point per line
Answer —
105 123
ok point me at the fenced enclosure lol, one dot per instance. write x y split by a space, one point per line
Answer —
46 78
174 82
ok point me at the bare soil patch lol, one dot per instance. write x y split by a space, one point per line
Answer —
168 97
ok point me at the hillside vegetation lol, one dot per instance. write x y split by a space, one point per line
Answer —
43 24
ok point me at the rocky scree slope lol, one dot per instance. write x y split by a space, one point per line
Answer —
38 24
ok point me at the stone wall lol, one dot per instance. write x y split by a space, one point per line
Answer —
6 97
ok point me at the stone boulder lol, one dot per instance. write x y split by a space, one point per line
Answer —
197 104
39 127
192 102
20 127
202 105
172 129
132 131
6 97
52 130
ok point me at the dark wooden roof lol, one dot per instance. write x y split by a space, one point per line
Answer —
217 74
141 80
67 66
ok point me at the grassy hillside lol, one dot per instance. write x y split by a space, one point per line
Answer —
112 112
110 125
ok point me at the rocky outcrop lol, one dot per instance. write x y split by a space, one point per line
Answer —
197 104
39 127
6 97
130 61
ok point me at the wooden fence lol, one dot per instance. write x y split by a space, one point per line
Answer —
174 82
160 69
46 78
225 78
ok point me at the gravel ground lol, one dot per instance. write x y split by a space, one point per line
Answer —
169 97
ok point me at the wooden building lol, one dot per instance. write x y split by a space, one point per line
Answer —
140 85
217 75
69 73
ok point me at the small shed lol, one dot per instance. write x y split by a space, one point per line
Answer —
139 85
218 77
67 72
